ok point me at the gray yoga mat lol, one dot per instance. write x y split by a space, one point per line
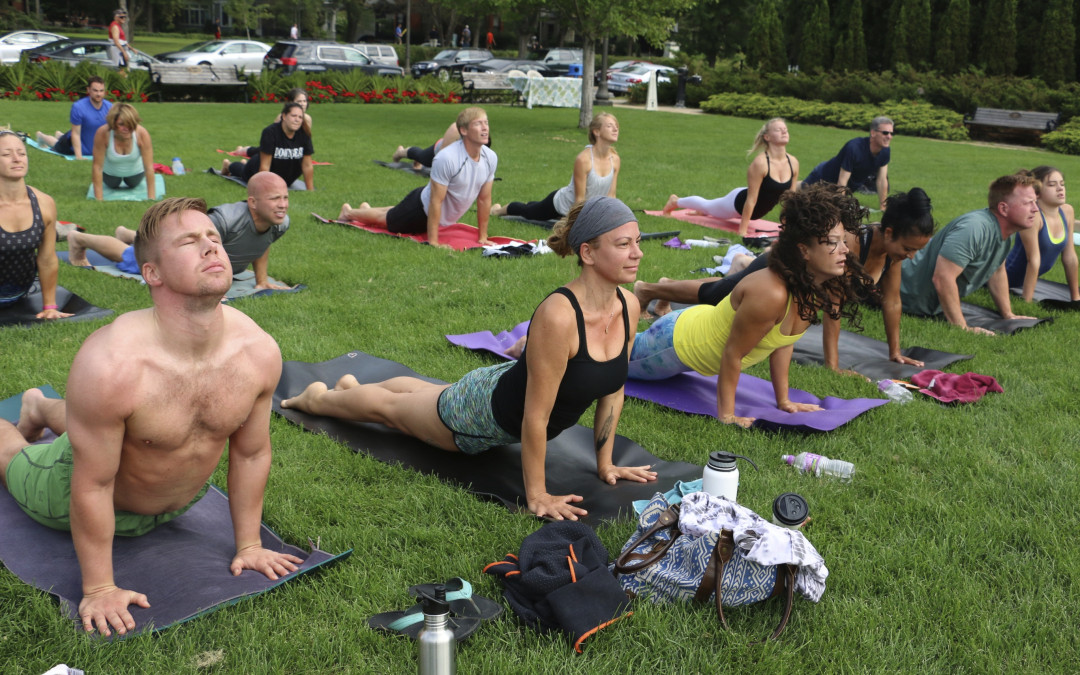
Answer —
983 317
870 357
495 474
297 184
1051 294
24 312
407 167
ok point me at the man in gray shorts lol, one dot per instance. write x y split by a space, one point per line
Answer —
152 400
247 229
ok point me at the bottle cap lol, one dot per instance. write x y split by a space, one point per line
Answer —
725 461
790 510
176 159
436 605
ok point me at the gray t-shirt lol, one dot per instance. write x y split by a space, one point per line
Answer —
241 240
972 241
463 178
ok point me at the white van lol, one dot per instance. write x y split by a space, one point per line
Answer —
384 54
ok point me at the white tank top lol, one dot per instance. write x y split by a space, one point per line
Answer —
595 186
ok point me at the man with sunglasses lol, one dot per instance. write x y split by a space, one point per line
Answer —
862 164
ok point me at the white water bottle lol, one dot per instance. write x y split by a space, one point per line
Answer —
895 391
820 465
721 476
177 167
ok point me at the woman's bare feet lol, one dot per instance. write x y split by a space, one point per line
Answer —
515 350
305 401
225 167
77 251
241 150
346 382
31 419
672 204
643 291
498 210
344 212
400 153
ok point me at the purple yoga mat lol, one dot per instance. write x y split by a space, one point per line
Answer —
693 393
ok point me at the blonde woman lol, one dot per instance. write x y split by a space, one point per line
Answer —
123 153
771 173
596 170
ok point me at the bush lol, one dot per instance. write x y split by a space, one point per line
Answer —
1064 139
913 117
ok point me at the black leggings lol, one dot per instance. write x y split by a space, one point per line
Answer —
425 156
713 292
122 182
541 210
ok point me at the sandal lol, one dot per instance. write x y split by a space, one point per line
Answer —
467 611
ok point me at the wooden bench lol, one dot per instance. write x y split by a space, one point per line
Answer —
185 75
498 83
995 122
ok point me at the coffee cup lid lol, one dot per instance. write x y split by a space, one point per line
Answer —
790 508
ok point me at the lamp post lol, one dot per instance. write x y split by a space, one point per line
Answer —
603 96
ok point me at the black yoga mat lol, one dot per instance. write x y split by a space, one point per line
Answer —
495 474
24 312
982 317
1051 294
181 566
870 357
297 184
406 166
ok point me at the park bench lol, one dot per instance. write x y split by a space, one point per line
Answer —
998 123
497 83
186 75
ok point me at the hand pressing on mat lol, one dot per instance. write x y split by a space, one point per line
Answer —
270 563
900 358
611 474
108 606
792 407
51 313
556 507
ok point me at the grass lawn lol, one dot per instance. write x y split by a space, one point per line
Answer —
948 552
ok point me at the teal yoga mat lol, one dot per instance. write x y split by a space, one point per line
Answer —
135 194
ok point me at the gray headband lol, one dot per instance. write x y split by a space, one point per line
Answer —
599 215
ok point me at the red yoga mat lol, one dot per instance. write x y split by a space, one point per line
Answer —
458 236
757 228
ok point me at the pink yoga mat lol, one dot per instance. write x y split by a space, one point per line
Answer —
757 228
458 236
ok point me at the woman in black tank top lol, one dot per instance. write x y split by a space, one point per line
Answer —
27 232
577 353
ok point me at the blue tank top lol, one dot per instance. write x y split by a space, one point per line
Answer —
584 381
18 255
1049 252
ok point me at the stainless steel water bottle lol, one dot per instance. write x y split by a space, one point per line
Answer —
436 639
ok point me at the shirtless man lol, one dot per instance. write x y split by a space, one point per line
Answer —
152 399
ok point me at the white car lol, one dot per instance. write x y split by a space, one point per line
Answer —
246 54
13 44
639 74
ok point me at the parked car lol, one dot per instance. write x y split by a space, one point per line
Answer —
246 54
616 67
72 52
385 54
506 65
13 44
314 56
560 59
450 62
628 77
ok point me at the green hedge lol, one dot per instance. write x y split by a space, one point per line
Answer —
1064 139
913 117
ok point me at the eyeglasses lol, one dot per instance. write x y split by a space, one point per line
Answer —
832 244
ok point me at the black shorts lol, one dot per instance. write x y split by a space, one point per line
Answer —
408 217
63 145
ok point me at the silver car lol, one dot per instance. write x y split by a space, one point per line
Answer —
246 54
13 44
622 80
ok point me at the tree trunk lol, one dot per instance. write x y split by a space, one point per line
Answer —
588 56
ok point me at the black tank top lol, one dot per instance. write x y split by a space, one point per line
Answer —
866 236
18 254
768 194
584 381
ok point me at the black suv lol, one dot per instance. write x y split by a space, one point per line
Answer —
314 56
450 62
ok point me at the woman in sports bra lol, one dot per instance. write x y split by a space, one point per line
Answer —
27 232
596 170
810 270
771 173
1038 248
123 153
576 354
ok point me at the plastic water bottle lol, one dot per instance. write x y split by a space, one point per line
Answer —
177 167
895 391
819 465
436 639
721 476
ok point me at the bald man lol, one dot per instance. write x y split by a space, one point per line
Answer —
247 229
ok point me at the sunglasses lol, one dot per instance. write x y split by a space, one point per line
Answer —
884 133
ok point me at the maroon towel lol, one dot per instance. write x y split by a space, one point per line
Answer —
955 388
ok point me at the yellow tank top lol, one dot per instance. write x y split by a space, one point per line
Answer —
702 331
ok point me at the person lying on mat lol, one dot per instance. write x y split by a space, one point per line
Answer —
295 95
246 229
123 153
771 172
462 174
577 351
880 248
27 231
596 171
87 116
1038 248
810 270
285 149
422 157
970 253
152 400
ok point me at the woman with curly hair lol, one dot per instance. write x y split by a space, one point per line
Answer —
810 270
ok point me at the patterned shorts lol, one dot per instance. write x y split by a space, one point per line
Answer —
653 354
465 409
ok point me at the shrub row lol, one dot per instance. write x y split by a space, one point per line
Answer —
1064 139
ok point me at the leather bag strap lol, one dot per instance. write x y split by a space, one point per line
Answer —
629 562
725 548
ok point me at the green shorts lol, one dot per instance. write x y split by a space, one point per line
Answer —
39 478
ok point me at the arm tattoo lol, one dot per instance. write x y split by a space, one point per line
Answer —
605 431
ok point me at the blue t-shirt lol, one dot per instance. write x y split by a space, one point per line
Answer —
89 120
856 159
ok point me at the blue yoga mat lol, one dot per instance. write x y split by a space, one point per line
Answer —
34 144
135 194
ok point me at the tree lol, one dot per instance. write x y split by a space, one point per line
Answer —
816 44
247 14
1055 58
765 43
909 42
953 36
997 52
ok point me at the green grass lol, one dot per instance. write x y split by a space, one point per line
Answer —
950 551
